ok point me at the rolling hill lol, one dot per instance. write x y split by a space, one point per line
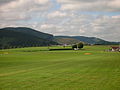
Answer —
11 37
66 40
24 37
88 40
29 31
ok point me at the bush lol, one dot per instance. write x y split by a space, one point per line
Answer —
74 46
79 45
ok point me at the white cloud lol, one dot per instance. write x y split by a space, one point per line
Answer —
47 26
117 16
56 14
114 3
41 1
70 6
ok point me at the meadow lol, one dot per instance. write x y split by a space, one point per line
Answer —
37 68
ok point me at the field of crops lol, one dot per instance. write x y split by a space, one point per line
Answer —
37 68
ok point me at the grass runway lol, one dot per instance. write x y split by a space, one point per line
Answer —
37 68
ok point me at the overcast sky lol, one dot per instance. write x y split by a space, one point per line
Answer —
96 18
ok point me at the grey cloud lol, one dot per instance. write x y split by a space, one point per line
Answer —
28 13
23 9
104 27
2 2
91 5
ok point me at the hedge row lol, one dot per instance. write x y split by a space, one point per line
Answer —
61 49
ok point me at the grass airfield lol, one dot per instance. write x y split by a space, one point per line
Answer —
37 68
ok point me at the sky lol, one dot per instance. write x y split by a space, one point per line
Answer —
92 18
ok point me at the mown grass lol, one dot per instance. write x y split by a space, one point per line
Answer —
39 69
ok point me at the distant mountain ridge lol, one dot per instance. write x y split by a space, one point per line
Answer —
14 37
24 37
89 40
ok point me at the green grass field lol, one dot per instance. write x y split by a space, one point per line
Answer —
39 69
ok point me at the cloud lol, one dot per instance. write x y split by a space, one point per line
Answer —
114 3
23 12
22 9
47 26
99 18
102 26
2 2
91 5
117 16
56 14
25 5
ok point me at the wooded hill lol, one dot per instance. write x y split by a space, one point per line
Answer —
24 37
